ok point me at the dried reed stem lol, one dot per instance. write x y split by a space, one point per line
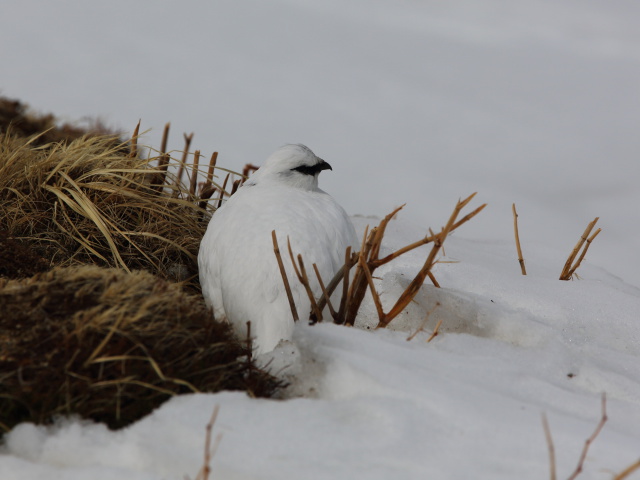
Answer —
515 231
367 260
590 440
428 239
552 451
223 190
628 471
163 162
432 278
349 261
325 294
208 189
249 167
287 287
134 141
585 240
584 251
372 287
342 275
235 186
413 288
304 280
185 154
194 173
212 166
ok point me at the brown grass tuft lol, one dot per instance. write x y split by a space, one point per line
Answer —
91 234
110 346
89 202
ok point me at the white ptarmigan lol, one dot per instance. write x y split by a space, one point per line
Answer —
239 272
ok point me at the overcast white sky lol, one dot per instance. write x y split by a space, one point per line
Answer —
419 102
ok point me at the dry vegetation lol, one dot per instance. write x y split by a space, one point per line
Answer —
93 237
366 261
573 261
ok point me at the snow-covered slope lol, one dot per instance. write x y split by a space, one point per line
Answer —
466 405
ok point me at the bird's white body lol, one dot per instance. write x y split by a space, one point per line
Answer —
239 272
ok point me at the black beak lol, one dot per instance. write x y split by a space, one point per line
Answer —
323 166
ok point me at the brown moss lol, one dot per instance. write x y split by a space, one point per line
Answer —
18 259
110 346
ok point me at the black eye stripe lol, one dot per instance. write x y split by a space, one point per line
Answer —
307 170
313 169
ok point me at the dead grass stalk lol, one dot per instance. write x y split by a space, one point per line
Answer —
583 244
367 260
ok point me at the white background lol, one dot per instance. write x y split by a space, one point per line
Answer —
420 102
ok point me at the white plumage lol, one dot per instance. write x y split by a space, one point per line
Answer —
239 272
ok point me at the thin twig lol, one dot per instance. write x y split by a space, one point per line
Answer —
324 292
194 173
304 279
590 440
427 239
209 450
374 293
435 332
249 167
567 271
212 165
235 186
133 152
584 252
424 323
223 190
207 189
287 287
163 162
183 160
628 471
515 231
552 451
344 301
411 291
432 278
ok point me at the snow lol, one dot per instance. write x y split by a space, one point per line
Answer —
533 102
375 405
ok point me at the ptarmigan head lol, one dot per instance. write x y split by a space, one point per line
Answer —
291 165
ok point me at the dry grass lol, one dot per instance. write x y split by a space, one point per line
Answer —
517 236
572 263
110 346
581 248
89 202
366 261
92 237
